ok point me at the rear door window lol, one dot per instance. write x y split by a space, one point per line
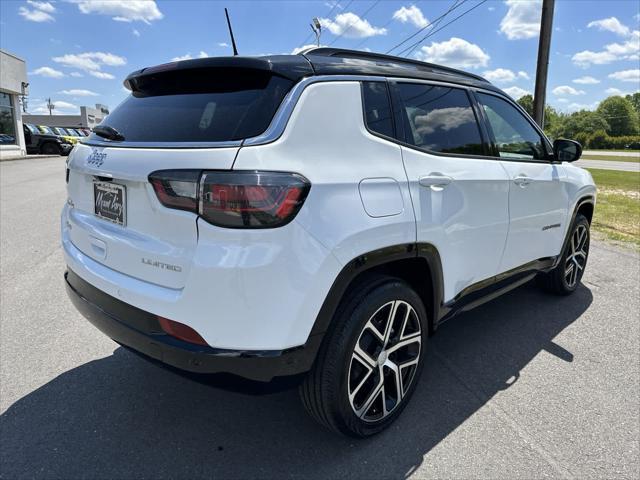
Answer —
201 106
440 119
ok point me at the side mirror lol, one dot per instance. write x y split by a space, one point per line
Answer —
566 150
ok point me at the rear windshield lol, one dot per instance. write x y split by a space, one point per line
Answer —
207 106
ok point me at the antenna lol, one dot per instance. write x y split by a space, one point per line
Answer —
233 41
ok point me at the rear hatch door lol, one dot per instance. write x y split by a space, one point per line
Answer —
177 117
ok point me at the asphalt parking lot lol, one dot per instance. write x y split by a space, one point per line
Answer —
528 386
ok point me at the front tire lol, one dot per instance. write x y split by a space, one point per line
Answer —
371 359
565 278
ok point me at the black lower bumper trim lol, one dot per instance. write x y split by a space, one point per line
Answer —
139 331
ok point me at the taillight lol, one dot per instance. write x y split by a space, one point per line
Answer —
177 188
233 199
251 199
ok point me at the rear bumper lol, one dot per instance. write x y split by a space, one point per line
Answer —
139 330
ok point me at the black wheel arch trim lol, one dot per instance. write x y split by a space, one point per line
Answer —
586 199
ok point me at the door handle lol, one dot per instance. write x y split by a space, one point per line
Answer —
435 180
522 180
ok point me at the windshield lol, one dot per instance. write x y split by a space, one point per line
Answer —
208 107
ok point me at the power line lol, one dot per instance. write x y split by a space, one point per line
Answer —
451 8
433 32
365 40
361 17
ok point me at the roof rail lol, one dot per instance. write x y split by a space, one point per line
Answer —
346 53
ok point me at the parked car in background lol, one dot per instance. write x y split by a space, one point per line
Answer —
37 142
65 134
6 139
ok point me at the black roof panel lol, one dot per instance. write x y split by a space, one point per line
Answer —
322 61
337 61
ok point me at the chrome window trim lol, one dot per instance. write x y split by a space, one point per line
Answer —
271 134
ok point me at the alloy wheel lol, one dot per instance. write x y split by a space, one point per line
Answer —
577 257
384 361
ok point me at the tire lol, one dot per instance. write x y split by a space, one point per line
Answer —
345 390
50 149
565 278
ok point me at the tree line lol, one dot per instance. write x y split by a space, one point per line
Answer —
614 124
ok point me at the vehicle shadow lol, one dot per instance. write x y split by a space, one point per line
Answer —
122 417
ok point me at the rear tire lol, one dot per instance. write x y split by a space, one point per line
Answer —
50 149
371 359
565 278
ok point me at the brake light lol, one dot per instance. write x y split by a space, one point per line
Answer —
181 331
233 199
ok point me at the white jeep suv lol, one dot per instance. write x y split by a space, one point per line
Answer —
314 218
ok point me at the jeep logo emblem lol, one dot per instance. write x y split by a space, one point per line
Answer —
96 158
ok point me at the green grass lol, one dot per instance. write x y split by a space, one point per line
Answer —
604 150
612 158
617 214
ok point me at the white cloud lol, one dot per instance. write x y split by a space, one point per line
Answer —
522 19
523 74
61 105
41 11
611 24
627 75
135 32
122 10
516 92
297 50
412 15
78 92
566 90
611 53
500 75
613 91
576 107
47 72
223 44
182 57
92 62
454 52
101 75
586 80
351 25
563 100
76 74
188 56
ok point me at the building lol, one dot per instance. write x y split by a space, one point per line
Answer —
13 84
88 118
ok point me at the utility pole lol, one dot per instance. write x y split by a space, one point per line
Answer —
50 106
544 45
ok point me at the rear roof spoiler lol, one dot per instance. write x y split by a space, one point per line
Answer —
292 67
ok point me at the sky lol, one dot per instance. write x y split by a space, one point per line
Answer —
78 52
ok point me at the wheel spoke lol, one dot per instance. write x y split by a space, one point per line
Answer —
364 357
362 382
415 338
389 326
398 380
371 398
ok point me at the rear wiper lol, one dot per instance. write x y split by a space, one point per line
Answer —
110 133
